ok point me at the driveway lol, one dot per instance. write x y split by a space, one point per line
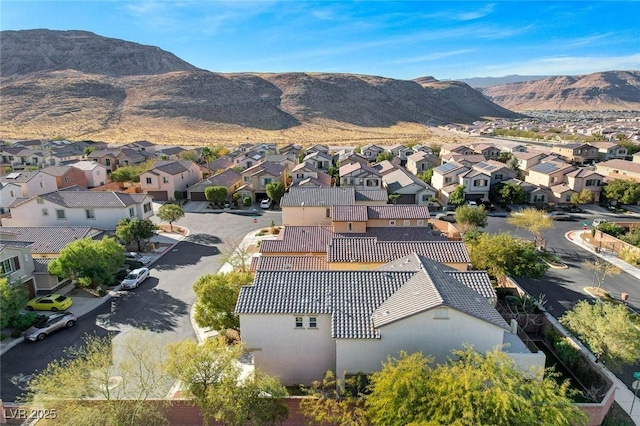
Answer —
159 308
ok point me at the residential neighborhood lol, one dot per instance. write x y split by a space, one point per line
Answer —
351 259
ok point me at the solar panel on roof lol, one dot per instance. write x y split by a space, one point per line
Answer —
545 167
447 167
13 175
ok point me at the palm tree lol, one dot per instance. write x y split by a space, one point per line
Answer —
207 154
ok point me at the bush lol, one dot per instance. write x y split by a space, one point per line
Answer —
567 353
24 321
612 229
246 201
630 255
16 333
2 337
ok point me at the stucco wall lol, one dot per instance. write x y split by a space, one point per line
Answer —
306 216
418 333
280 349
344 227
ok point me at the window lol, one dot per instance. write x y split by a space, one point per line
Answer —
350 226
267 181
447 180
567 198
328 213
299 175
9 265
60 214
313 322
298 322
45 212
480 182
41 185
392 223
441 313
165 179
499 176
554 179
97 172
107 162
146 207
246 179
538 198
372 182
249 164
66 179
148 181
132 212
90 213
11 193
593 182
406 222
425 197
420 222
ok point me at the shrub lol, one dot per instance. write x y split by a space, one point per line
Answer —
24 321
246 201
567 353
630 255
16 333
612 229
2 337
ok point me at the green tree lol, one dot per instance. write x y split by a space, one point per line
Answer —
607 329
207 155
426 176
130 173
217 295
83 387
468 217
394 198
91 262
533 220
612 229
583 197
504 157
435 148
512 193
330 403
622 191
456 197
216 194
211 373
501 254
13 297
470 389
189 155
135 230
384 155
632 147
275 191
601 270
170 213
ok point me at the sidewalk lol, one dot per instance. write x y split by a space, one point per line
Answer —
624 397
83 305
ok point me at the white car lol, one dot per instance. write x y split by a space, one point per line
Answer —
449 216
559 216
597 222
266 203
135 278
132 255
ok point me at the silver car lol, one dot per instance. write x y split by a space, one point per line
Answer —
48 325
134 278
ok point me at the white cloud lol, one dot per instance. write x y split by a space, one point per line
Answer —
431 57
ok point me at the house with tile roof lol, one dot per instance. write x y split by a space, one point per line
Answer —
619 169
466 160
487 150
584 178
169 153
610 151
230 179
399 151
306 173
421 161
312 205
299 324
248 159
528 159
410 189
255 179
165 178
496 170
549 173
45 244
360 176
119 157
94 172
79 207
32 183
348 156
456 149
216 166
288 263
321 160
371 151
533 193
576 153
66 176
317 148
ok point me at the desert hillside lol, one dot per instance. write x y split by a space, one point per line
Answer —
612 90
79 85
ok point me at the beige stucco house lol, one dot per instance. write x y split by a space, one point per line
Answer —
165 178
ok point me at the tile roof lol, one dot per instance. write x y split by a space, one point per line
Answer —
361 301
78 198
353 167
171 167
528 155
271 168
448 167
476 280
174 150
371 195
86 165
620 165
288 263
582 172
549 167
226 178
47 239
398 211
318 197
56 170
18 244
370 250
385 167
349 213
19 177
41 265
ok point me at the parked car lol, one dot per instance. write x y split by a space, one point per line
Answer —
472 204
135 278
132 255
47 325
488 205
572 209
559 216
266 203
53 302
447 216
597 222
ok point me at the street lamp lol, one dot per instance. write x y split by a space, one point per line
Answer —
635 385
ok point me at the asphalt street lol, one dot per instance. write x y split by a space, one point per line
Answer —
159 308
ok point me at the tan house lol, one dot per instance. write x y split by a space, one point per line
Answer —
576 152
67 176
455 149
619 169
94 172
230 179
32 183
581 179
488 151
527 160
447 175
255 179
549 173
421 161
166 178
306 173
360 176
611 151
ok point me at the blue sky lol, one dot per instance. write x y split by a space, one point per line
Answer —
405 40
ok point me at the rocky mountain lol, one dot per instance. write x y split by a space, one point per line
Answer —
79 85
612 90
480 82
